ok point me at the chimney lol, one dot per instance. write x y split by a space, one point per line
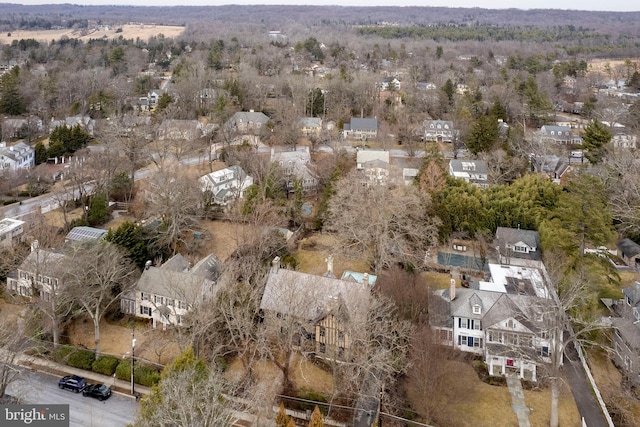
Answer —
34 245
329 261
365 280
452 289
147 264
275 265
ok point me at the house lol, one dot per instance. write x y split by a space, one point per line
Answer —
85 122
354 276
439 131
362 129
559 135
39 274
310 126
10 231
322 306
426 86
629 251
389 83
226 184
624 140
507 329
167 293
19 127
247 122
374 165
85 233
516 243
625 321
551 165
186 130
17 156
296 165
472 171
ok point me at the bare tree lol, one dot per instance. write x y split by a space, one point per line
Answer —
14 339
503 168
96 274
174 197
385 225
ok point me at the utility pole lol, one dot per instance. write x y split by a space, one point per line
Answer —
133 361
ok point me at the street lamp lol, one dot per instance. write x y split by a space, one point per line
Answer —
133 360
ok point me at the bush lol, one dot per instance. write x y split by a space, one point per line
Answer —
123 370
60 354
146 375
82 359
105 365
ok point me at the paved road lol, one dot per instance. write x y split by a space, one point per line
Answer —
41 388
581 389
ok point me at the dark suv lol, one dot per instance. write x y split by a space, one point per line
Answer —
99 391
73 383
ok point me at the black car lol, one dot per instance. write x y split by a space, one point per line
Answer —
99 391
73 383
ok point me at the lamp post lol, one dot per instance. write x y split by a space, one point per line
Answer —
133 360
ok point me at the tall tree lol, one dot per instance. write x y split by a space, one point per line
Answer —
97 274
483 135
595 138
386 224
317 420
11 100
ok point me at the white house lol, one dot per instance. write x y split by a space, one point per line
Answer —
473 171
439 130
39 275
226 184
17 156
363 129
167 293
10 231
515 243
296 165
374 164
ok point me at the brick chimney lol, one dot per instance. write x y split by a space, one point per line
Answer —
365 280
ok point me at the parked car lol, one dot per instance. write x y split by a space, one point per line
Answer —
98 391
73 383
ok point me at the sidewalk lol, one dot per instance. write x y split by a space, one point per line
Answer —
517 398
43 365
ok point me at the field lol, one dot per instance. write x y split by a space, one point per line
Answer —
144 32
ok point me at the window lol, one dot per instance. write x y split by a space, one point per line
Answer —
545 351
511 324
179 319
522 249
145 311
341 335
476 309
323 331
144 297
128 306
169 302
158 299
323 348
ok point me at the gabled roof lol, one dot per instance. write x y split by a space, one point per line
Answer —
307 296
353 276
85 233
461 305
364 156
506 235
471 166
633 294
310 122
628 247
364 124
249 117
44 259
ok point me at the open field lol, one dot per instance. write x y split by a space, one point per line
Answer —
144 32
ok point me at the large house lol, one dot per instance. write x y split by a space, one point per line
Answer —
439 131
362 129
296 165
167 293
85 122
626 338
502 322
472 171
247 122
17 156
322 306
226 184
39 275
374 164
562 135
187 130
310 126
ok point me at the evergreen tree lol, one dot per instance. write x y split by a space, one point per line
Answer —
449 90
595 138
11 100
281 418
483 134
98 213
164 101
317 420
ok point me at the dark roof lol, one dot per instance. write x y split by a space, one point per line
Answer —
633 294
628 247
515 235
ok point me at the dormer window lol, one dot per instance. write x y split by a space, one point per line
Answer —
511 324
476 309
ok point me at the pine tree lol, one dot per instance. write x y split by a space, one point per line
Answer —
317 420
595 138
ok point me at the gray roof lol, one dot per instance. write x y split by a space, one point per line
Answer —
633 294
514 235
363 124
457 166
364 156
85 233
247 117
629 331
306 296
178 285
310 122
628 247
45 259
462 305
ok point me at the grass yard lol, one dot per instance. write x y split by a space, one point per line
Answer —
314 250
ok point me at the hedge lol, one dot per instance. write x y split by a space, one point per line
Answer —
144 375
60 353
105 365
82 359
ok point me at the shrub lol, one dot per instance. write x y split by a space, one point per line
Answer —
105 365
82 359
123 370
146 375
61 353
